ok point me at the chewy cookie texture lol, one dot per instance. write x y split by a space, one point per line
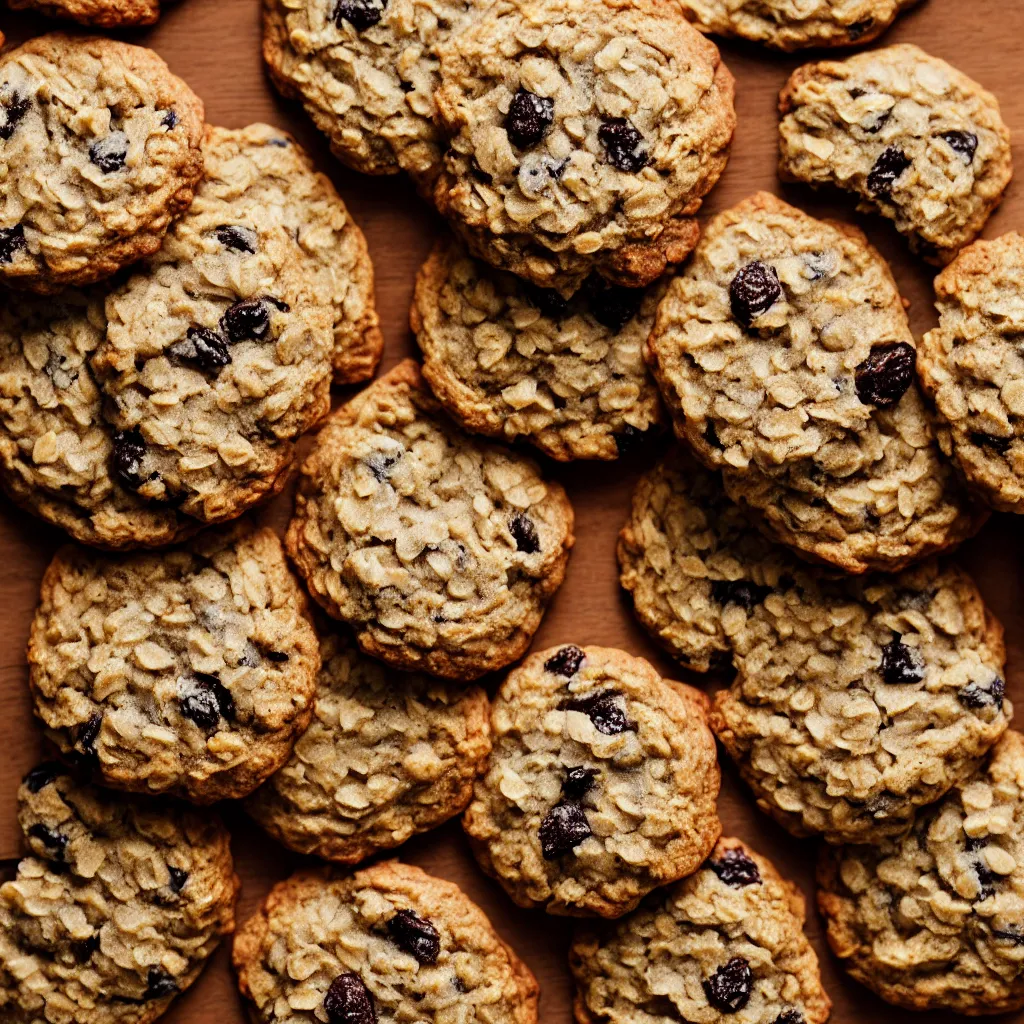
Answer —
100 13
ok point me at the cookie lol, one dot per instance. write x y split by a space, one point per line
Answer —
386 756
601 785
582 135
56 447
934 920
913 138
190 672
440 551
101 13
513 361
784 25
389 942
99 152
786 358
725 944
115 910
219 354
972 369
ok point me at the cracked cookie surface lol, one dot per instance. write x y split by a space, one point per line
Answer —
190 671
389 942
440 551
116 908
512 361
99 152
786 358
913 138
385 757
582 136
101 13
934 920
601 785
725 944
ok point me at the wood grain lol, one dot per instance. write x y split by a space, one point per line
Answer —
214 45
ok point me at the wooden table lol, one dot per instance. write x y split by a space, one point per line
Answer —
215 46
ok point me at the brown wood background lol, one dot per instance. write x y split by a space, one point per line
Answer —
215 46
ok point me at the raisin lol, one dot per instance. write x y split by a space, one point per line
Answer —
547 300
529 118
628 438
1009 935
42 775
888 167
974 843
729 988
901 664
997 444
975 696
178 878
360 14
206 701
14 111
110 154
605 710
54 842
278 657
564 827
964 144
612 305
246 319
202 348
170 120
126 457
12 241
578 782
880 121
884 377
380 465
416 936
84 948
566 661
741 592
986 881
623 144
237 238
524 532
159 984
87 733
348 1001
754 290
790 1017
736 869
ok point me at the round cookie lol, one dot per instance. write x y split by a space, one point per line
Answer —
510 360
601 785
389 942
190 672
726 944
859 700
913 138
934 920
971 367
785 25
786 358
101 13
583 135
385 757
115 910
55 446
99 152
440 551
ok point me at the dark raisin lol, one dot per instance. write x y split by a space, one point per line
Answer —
42 775
623 144
628 438
976 696
884 377
605 710
578 782
888 167
14 111
237 238
54 842
84 948
612 305
126 458
380 465
170 120
735 868
880 121
564 827
360 14
110 154
178 878
524 533
348 1001
997 444
901 664
416 936
278 657
986 881
159 984
12 241
741 592
206 701
974 843
566 661
790 1017
964 144
1009 935
87 733
547 300
247 319
529 118
729 988
754 290
202 348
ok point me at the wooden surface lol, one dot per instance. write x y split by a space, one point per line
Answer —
214 45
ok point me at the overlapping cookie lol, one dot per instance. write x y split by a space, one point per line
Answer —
101 13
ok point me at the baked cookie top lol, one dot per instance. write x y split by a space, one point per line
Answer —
913 138
601 785
440 551
725 944
786 358
101 13
99 152
219 355
116 908
389 942
386 756
934 920
56 448
190 671
583 135
972 368
785 25
511 360
858 700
